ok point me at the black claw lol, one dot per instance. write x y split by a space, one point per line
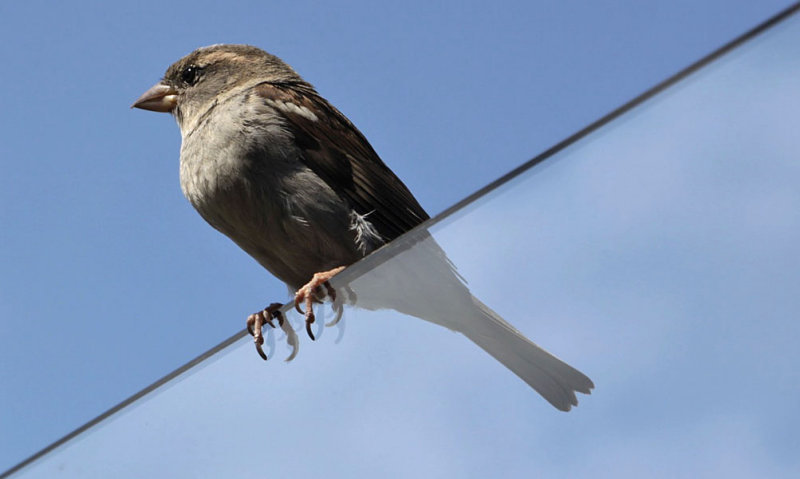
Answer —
308 329
260 351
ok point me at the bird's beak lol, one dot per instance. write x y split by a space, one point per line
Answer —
161 98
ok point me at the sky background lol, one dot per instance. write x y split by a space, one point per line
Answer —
109 280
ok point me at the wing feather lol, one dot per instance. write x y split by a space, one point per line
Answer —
338 153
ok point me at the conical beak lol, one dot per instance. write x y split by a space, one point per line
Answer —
161 98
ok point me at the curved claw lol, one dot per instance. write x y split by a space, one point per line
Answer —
309 317
256 321
259 341
254 324
306 295
308 330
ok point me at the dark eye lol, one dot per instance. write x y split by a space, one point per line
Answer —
190 74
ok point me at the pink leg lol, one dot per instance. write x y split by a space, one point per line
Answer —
306 295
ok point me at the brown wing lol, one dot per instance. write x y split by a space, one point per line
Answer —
339 154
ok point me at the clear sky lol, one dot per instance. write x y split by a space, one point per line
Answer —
109 279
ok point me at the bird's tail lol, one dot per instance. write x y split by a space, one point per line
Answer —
551 377
419 280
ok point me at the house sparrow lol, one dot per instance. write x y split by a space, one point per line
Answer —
272 165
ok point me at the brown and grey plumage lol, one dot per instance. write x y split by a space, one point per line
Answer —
272 165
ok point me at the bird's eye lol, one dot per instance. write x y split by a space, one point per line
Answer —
190 74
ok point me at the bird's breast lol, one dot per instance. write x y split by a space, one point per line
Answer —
252 186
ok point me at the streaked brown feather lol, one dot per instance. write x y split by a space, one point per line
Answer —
339 154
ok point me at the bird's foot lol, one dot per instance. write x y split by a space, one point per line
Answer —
257 320
306 295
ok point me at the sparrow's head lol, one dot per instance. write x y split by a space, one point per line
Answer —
195 82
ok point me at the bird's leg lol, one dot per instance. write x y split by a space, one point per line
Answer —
306 295
256 321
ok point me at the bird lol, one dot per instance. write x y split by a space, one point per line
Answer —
272 165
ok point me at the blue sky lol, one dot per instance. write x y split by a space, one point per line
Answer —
110 280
